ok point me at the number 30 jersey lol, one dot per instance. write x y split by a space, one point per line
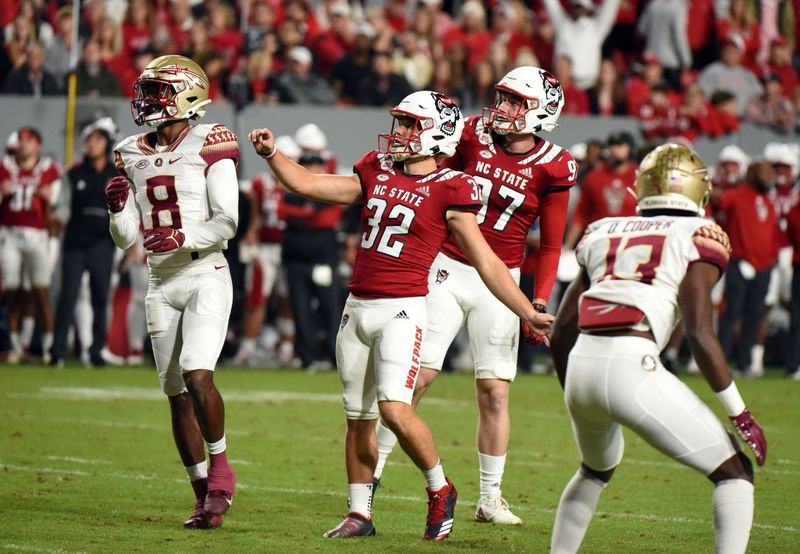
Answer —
642 261
403 225
170 185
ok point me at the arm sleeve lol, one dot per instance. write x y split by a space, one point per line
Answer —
556 11
552 221
606 15
223 200
63 202
124 225
681 37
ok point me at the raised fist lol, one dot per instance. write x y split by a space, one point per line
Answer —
163 239
752 434
117 193
263 142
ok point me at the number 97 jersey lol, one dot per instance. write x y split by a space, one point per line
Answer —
642 261
169 184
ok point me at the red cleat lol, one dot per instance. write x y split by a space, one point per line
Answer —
441 512
353 525
221 482
200 519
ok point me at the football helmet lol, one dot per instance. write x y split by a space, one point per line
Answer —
170 88
437 131
734 154
542 102
673 177
781 154
311 137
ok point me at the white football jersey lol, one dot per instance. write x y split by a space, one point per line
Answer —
641 262
169 184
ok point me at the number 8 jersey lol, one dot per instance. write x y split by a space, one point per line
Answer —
641 262
171 184
403 225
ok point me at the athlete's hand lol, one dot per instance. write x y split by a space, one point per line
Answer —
163 239
117 193
263 142
752 434
533 334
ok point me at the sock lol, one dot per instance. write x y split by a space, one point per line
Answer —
216 447
247 347
198 477
435 477
285 326
491 468
575 510
757 358
47 342
386 442
733 514
16 345
26 330
361 499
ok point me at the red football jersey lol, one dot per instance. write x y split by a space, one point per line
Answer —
403 225
517 189
784 199
25 207
751 225
267 194
604 193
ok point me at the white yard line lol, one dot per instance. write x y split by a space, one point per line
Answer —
75 460
32 548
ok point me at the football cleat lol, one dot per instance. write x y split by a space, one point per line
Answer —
495 510
221 482
200 519
441 512
353 525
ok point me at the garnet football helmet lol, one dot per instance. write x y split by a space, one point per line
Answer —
673 177
542 100
170 88
437 131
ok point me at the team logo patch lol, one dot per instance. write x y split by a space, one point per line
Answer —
649 363
142 164
345 319
526 172
485 154
441 276
425 189
386 165
383 177
159 162
552 93
448 113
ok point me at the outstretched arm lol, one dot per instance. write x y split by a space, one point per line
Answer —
493 271
336 189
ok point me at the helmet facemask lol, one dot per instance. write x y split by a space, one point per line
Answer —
502 122
404 147
153 100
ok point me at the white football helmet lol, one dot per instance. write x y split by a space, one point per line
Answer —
310 137
438 129
170 88
734 154
543 100
778 153
288 146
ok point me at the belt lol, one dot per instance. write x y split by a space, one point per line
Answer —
622 333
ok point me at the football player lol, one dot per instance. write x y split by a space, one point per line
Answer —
182 179
638 275
29 186
410 206
523 178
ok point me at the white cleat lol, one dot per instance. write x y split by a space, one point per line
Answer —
495 510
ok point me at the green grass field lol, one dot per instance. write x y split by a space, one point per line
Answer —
87 464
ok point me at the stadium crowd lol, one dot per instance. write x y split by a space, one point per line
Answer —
684 69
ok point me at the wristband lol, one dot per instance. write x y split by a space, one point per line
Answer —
731 400
539 307
271 154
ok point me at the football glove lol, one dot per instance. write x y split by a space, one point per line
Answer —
530 336
163 239
752 434
117 193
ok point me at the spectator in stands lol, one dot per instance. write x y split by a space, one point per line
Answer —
58 54
33 10
198 45
696 113
138 22
701 32
470 33
300 12
658 115
605 190
139 60
23 33
724 113
752 227
509 29
648 74
576 101
259 74
382 87
442 80
262 23
223 34
182 19
347 73
299 84
780 64
729 74
332 44
741 21
112 52
163 41
663 26
87 244
311 255
608 97
32 79
424 25
479 91
580 35
396 15
94 78
411 61
544 40
793 355
289 35
771 109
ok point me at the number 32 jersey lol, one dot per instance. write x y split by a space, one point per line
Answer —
403 225
642 261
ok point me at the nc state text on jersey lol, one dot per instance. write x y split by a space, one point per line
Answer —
402 195
501 174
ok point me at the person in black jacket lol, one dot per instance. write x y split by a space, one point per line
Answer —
31 78
88 245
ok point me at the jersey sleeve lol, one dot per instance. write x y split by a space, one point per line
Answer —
713 246
220 144
552 222
563 172
464 193
365 168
